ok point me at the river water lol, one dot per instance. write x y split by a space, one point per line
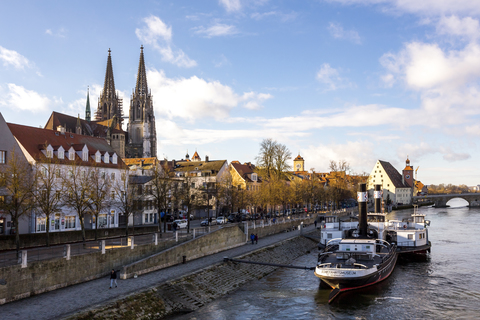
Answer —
447 286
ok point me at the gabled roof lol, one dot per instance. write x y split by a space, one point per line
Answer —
139 179
212 166
34 140
245 170
140 161
393 174
90 128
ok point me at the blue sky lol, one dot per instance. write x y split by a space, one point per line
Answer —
331 79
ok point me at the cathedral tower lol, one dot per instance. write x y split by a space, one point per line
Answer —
142 135
108 103
87 108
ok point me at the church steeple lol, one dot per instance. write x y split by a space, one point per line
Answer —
108 103
109 84
87 108
141 122
141 87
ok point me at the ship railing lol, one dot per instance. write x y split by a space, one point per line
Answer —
323 265
406 244
360 265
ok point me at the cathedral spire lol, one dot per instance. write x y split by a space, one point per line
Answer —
87 108
108 103
141 88
109 85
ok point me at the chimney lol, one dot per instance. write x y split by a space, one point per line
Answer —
362 198
206 158
61 129
377 195
173 164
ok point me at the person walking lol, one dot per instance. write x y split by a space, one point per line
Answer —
256 239
315 223
252 237
174 226
113 278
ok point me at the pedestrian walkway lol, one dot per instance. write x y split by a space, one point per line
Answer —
67 301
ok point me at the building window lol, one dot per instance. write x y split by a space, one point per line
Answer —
60 154
102 174
41 224
70 222
3 156
102 220
71 155
49 154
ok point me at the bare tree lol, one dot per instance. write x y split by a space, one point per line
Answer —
76 186
48 191
126 194
99 192
273 159
17 183
162 189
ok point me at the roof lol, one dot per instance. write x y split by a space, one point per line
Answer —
298 158
244 170
196 156
140 161
212 166
139 179
91 128
34 139
393 174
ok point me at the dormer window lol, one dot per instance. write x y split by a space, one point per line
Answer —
49 154
114 158
106 157
254 177
61 153
71 155
98 157
85 153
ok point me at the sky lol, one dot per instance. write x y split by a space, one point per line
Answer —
354 80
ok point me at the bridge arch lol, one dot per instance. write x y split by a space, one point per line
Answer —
457 202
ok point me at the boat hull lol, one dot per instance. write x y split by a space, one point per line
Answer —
342 283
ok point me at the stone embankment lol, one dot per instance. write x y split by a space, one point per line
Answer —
191 292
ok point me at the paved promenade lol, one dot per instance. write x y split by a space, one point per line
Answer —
64 302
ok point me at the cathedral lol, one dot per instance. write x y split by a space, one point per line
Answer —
140 139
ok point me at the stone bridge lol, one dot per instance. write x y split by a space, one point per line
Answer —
441 200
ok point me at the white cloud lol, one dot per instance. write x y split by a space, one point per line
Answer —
19 98
231 5
195 98
331 77
157 34
337 31
216 30
423 7
60 33
455 26
359 154
11 57
452 156
284 17
422 149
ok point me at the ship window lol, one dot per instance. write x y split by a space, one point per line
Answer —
410 236
329 236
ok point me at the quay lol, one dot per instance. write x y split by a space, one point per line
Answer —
66 302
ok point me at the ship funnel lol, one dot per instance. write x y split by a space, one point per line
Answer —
362 198
377 195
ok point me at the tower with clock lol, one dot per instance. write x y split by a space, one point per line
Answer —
298 164
407 174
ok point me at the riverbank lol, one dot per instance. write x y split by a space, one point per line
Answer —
193 291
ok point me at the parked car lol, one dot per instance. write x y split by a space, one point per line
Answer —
204 223
221 220
181 223
234 218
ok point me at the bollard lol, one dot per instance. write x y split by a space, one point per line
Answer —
184 259
176 236
24 258
194 233
131 242
66 252
246 230
102 245
156 238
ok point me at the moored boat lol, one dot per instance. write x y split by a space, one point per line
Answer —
360 258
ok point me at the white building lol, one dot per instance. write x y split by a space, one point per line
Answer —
67 152
397 187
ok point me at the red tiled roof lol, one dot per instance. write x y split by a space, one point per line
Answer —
91 128
34 140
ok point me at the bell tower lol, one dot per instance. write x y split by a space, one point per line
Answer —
298 164
142 135
407 174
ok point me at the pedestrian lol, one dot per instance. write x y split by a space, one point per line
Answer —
252 237
256 239
113 278
174 226
315 223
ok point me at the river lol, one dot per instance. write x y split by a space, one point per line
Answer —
447 286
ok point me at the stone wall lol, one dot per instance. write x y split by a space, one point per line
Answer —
193 291
279 227
228 237
30 240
